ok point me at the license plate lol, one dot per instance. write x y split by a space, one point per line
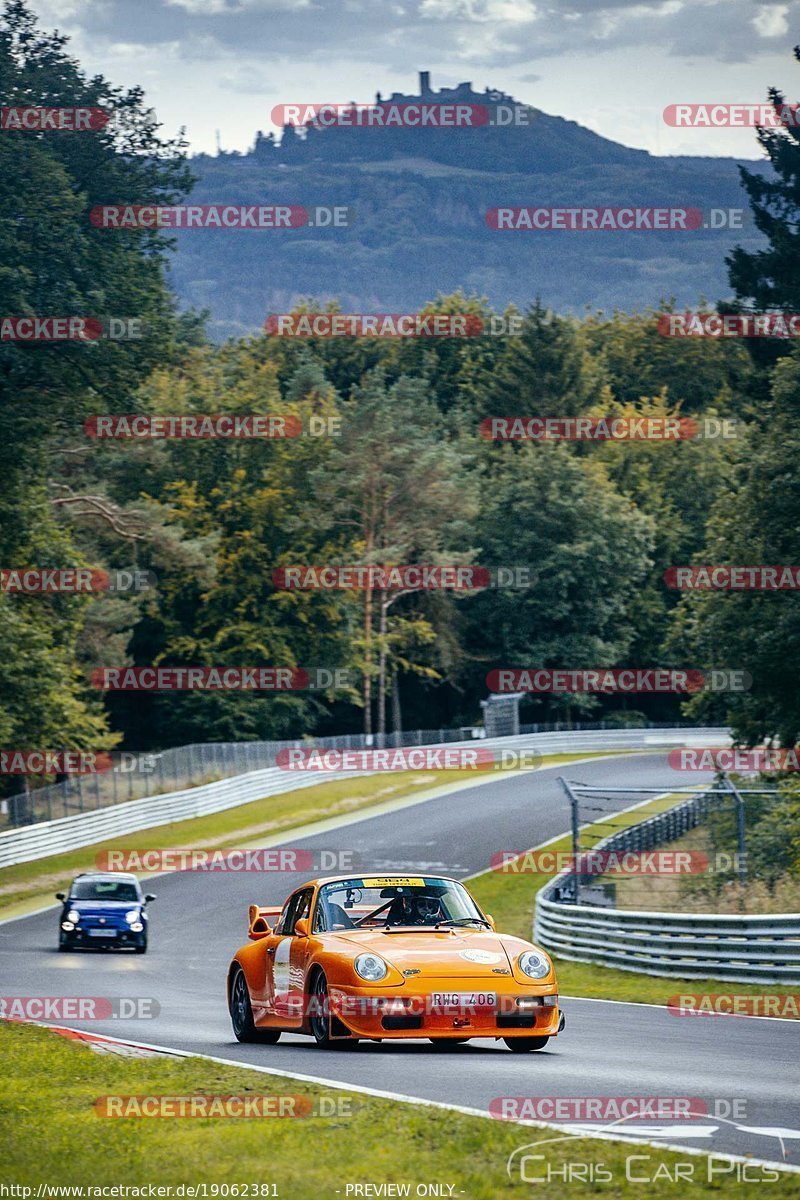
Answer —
102 933
463 999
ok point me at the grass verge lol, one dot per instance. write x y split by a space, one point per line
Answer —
52 1135
510 898
32 884
708 893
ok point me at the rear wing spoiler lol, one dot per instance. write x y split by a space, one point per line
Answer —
261 920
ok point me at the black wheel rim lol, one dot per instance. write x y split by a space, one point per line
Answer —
239 1003
319 1011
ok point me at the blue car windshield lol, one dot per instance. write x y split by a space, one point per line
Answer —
104 889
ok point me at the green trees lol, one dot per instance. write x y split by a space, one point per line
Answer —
399 491
770 278
755 521
54 263
588 550
389 469
756 516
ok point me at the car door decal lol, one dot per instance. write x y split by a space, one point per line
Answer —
281 975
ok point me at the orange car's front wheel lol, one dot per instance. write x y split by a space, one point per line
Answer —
319 1017
244 1027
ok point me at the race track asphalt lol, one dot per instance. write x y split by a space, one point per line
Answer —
607 1049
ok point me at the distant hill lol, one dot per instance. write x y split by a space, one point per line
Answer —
420 197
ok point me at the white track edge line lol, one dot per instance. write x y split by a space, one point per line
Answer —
402 1098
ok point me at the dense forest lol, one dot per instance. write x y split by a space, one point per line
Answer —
390 467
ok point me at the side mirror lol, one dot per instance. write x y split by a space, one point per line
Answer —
490 919
150 896
301 927
60 896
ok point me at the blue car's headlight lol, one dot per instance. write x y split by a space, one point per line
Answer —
132 916
534 964
371 967
73 915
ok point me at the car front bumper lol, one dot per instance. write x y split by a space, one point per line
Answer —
110 937
519 1011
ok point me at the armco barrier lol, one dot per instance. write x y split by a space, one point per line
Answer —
85 829
135 776
744 949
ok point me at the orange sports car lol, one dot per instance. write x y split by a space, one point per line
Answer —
392 956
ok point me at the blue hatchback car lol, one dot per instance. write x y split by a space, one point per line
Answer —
104 909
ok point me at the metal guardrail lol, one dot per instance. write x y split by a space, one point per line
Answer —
743 949
138 775
85 829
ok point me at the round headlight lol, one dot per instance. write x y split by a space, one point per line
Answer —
370 967
73 915
533 964
67 925
132 916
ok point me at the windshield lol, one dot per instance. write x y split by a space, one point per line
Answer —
383 903
104 889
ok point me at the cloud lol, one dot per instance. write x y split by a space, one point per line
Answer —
478 11
250 81
409 33
771 21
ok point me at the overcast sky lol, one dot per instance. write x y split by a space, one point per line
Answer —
612 65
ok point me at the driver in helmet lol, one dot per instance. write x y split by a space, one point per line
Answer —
414 910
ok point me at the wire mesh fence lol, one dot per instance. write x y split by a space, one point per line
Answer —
135 775
706 831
